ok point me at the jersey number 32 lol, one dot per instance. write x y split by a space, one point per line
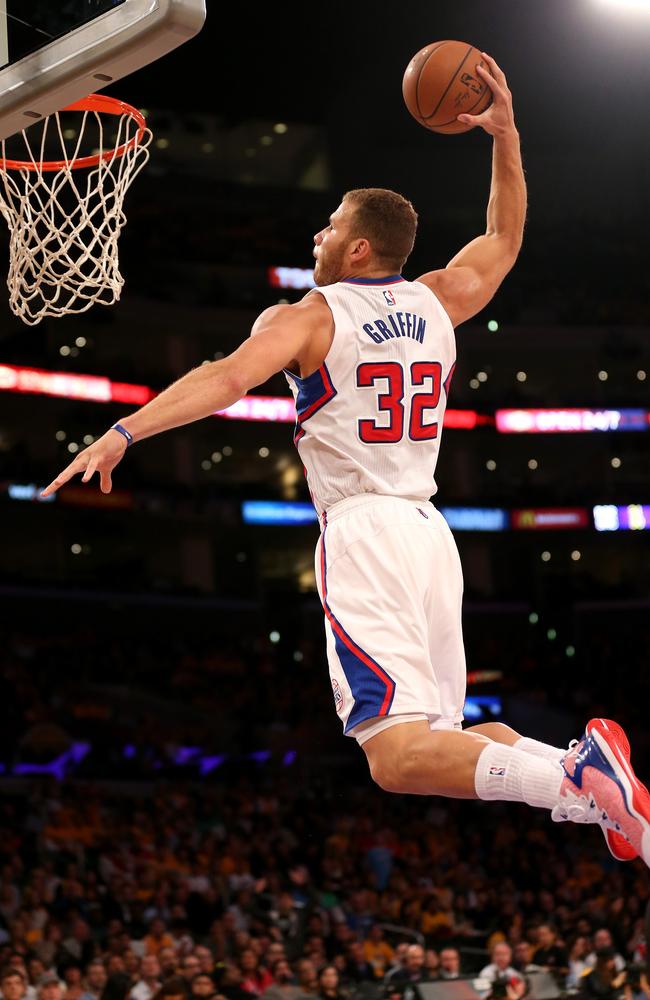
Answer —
425 373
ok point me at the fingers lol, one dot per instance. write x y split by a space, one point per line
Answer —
495 70
63 477
105 481
491 81
90 470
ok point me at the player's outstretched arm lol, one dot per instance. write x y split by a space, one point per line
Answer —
278 337
472 277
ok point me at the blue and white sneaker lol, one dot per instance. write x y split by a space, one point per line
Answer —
600 787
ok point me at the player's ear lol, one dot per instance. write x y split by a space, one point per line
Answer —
360 250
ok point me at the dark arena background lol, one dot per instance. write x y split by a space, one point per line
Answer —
177 796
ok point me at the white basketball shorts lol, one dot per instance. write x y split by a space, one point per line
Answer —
390 582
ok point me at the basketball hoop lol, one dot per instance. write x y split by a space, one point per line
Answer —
65 214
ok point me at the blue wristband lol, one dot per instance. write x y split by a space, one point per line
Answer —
123 431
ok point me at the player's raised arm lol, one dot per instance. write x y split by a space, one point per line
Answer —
278 337
472 277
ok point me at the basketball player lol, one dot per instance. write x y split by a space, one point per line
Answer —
369 357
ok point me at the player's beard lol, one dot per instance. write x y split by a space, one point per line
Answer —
329 267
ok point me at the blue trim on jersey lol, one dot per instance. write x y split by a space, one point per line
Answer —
390 280
313 393
372 688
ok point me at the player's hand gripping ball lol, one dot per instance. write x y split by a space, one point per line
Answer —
442 81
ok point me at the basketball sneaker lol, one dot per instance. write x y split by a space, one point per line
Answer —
600 787
618 845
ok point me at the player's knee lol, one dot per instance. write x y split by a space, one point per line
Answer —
401 773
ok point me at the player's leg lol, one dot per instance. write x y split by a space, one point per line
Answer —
411 758
619 847
501 733
594 784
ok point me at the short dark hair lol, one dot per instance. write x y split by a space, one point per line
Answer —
173 987
388 220
11 971
202 975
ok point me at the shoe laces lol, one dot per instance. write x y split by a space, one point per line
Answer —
583 809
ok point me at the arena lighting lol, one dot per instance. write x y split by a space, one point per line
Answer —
570 421
27 491
93 388
277 512
633 517
475 518
482 707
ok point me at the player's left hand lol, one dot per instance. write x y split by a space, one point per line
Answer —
499 118
102 456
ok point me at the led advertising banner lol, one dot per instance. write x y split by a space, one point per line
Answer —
555 518
570 421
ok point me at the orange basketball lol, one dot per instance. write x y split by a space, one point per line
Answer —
441 82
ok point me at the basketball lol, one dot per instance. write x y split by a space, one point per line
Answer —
441 82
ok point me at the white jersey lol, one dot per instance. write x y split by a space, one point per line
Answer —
369 420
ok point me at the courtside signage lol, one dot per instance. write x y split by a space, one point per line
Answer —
570 421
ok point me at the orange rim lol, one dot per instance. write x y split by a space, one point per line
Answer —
95 102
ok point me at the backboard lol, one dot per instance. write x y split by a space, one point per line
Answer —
54 53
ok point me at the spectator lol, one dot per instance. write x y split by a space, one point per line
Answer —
432 963
603 941
150 979
78 946
603 981
168 962
118 986
500 978
286 918
449 964
202 986
254 979
523 958
230 979
17 964
578 960
95 980
157 937
205 957
13 984
399 982
74 989
35 970
50 988
283 986
306 975
190 965
328 984
399 958
377 951
173 989
549 954
357 968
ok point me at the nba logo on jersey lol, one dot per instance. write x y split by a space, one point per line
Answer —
390 298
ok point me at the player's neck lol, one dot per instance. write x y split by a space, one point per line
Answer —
371 272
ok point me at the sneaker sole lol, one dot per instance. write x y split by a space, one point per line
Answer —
619 847
636 795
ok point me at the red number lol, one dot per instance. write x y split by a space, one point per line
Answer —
389 402
421 370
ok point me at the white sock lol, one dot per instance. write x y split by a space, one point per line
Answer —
510 775
538 749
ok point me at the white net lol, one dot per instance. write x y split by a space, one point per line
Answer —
65 214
